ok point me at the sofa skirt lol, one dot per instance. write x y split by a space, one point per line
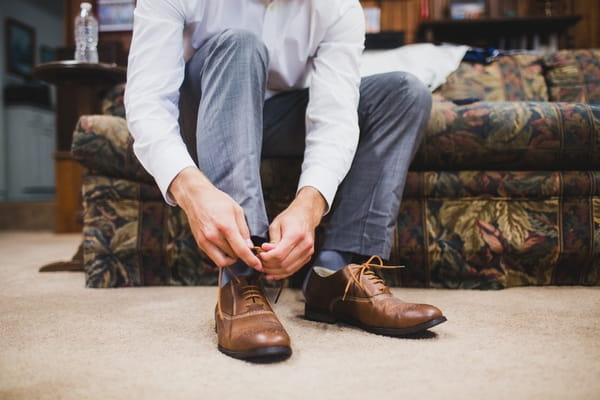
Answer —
467 229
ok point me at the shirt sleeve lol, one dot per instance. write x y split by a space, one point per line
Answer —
155 72
332 112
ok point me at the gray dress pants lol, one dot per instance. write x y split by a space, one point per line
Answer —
228 127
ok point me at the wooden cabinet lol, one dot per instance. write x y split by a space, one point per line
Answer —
405 15
534 33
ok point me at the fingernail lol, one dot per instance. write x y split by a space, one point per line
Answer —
249 243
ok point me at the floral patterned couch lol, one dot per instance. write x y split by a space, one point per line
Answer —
504 191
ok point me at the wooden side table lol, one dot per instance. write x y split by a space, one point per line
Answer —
80 88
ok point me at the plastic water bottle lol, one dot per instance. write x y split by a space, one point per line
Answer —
86 35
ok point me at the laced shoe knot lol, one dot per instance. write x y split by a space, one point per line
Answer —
252 293
366 270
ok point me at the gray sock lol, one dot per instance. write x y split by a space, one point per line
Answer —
330 259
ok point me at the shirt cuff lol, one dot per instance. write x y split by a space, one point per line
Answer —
165 175
321 179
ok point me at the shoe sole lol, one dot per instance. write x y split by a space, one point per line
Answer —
260 355
320 316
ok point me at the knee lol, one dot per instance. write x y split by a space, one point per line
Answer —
244 44
420 94
406 88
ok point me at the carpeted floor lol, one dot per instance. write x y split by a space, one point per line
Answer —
59 340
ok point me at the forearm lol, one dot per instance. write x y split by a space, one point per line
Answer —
311 203
186 183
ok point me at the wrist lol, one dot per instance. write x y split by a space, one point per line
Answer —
187 181
313 201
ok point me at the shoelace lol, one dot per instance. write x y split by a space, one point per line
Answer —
251 292
366 269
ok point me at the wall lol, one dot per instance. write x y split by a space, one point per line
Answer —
405 15
49 31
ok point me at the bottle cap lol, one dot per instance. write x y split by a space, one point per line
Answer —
86 6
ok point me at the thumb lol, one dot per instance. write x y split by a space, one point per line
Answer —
275 232
240 220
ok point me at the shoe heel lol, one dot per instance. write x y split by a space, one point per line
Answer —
315 314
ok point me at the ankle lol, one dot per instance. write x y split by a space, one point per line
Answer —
330 259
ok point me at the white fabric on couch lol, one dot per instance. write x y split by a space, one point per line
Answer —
430 63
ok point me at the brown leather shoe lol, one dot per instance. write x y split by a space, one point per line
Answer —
247 328
356 295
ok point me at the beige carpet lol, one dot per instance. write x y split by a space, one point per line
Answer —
59 340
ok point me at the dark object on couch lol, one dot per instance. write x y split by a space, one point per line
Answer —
384 40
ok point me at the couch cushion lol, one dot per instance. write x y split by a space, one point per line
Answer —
510 78
511 135
574 75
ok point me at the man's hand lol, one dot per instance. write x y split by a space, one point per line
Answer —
292 235
216 220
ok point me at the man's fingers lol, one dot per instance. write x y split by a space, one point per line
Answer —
240 219
241 249
245 254
216 254
298 255
227 246
267 246
283 247
241 243
216 239
288 269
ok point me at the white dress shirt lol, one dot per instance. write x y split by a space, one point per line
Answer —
311 43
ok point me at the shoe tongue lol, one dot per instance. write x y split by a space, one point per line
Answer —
370 281
252 293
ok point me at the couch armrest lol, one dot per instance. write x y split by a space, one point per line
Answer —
574 75
103 144
113 102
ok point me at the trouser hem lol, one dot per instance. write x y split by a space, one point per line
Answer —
358 245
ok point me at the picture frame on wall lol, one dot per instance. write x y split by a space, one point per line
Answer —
467 9
115 15
20 47
47 53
